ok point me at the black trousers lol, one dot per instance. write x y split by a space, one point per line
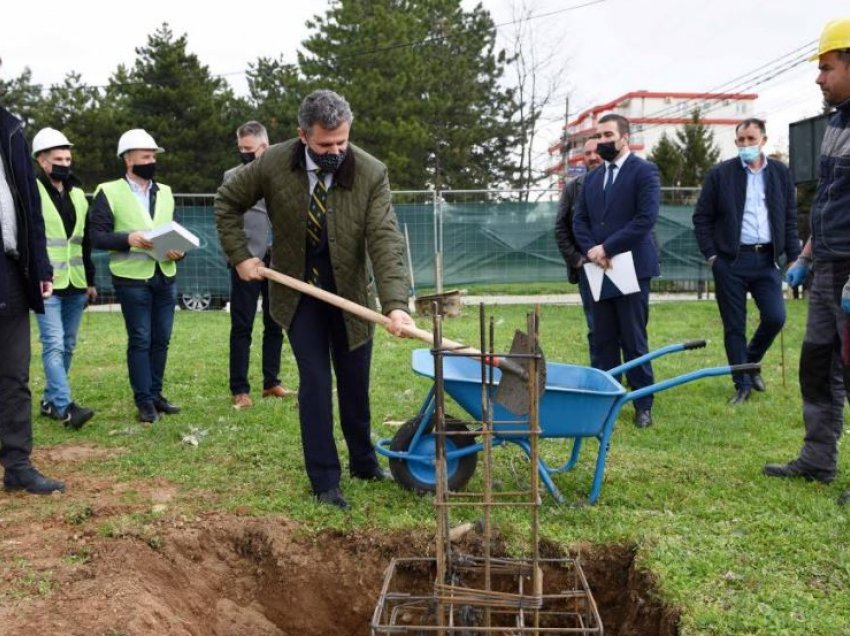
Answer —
243 309
15 397
619 326
825 368
317 337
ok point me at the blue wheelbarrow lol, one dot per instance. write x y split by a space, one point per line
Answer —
577 403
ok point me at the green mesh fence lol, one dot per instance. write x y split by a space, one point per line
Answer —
481 241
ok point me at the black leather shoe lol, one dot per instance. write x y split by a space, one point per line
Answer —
76 416
31 480
643 418
741 395
758 383
844 498
162 405
793 469
332 497
148 413
378 474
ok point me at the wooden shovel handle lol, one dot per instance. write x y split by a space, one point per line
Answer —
379 319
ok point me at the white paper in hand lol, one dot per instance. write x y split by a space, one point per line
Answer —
171 236
621 273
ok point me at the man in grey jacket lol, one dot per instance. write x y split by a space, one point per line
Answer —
252 141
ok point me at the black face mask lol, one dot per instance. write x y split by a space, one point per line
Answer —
607 150
60 173
247 157
327 162
144 170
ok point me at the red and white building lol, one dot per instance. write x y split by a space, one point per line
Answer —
650 115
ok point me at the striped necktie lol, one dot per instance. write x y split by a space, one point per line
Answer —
316 213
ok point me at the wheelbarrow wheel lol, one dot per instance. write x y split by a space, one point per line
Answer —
421 476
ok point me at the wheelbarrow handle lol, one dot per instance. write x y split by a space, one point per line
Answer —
749 367
373 316
693 344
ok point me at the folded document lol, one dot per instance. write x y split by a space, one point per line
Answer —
619 279
171 236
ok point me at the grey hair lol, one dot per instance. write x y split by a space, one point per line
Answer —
326 108
254 129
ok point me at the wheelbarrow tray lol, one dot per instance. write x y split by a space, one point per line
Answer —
576 402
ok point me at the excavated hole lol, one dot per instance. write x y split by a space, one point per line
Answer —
231 576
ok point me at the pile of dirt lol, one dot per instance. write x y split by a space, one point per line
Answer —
218 574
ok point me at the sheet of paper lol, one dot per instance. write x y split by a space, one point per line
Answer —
621 273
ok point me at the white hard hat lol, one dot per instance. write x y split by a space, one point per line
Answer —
48 138
137 139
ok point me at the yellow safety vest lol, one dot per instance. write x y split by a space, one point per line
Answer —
131 217
65 252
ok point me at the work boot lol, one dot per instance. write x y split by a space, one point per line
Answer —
794 469
76 416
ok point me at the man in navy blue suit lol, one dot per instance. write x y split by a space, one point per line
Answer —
746 222
616 213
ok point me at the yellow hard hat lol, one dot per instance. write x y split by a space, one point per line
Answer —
835 36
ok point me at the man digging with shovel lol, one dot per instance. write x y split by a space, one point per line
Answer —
329 206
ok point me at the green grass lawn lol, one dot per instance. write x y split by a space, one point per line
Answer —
737 552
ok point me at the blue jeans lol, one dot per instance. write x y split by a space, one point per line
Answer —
58 327
149 316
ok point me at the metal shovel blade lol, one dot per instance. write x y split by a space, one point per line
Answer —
513 389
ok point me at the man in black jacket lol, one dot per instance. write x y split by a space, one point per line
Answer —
25 281
567 241
746 223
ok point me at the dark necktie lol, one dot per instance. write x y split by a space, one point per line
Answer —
609 180
316 214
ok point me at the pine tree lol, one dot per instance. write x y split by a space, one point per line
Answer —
423 78
699 153
190 113
668 157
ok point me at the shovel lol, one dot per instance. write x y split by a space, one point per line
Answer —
513 387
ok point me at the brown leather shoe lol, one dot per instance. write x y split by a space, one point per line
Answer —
242 401
278 391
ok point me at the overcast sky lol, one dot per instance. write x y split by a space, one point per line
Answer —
605 48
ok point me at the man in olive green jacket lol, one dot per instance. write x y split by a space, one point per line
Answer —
332 223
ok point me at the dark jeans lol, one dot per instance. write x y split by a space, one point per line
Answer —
317 337
243 310
149 316
756 273
619 324
15 397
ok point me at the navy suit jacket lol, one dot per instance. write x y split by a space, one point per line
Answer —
719 213
627 220
32 246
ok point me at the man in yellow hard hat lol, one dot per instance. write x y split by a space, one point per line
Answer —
64 208
122 213
826 344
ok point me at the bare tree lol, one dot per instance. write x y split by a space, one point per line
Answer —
538 70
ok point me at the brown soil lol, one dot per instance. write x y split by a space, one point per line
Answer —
117 559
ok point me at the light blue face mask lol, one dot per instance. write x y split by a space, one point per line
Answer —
749 154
